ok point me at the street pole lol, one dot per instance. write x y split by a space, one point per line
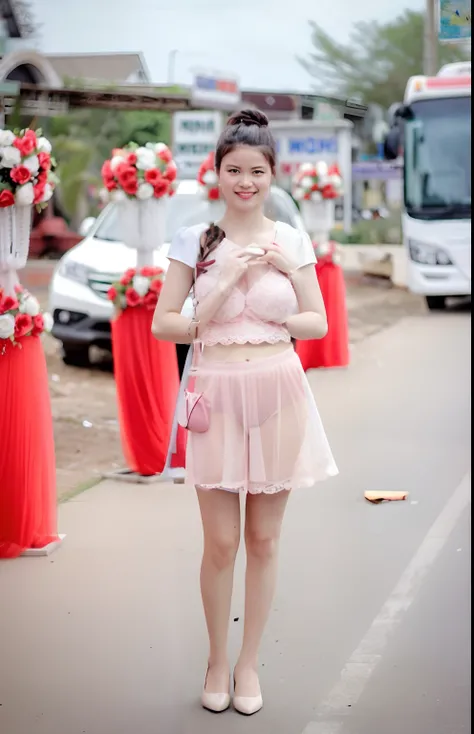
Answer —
171 65
431 39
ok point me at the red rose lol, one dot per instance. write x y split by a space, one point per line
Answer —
38 324
171 171
44 161
127 178
18 288
20 174
42 177
153 176
147 271
6 199
23 325
161 188
8 304
106 171
214 194
156 286
133 299
328 192
110 185
150 299
165 155
172 191
112 293
131 159
127 276
38 192
27 144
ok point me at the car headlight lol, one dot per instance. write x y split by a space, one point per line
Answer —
421 252
75 271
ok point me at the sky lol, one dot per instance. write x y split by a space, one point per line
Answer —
255 40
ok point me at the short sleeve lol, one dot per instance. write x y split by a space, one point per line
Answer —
185 245
306 255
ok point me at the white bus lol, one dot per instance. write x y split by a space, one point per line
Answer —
435 141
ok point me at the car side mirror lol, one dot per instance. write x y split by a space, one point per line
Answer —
86 226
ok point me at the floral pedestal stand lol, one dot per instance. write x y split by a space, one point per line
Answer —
317 186
146 370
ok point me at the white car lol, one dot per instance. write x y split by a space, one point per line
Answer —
78 290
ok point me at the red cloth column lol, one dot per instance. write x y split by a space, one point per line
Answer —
27 459
147 379
333 349
178 459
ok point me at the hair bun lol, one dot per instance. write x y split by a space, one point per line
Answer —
248 118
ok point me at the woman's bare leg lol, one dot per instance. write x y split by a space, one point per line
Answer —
220 512
264 515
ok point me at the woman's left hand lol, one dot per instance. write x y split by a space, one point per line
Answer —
276 256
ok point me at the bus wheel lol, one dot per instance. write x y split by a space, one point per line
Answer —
436 303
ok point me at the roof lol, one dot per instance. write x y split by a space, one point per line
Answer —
100 67
7 12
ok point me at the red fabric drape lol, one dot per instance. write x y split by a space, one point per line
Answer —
333 350
27 460
147 379
178 459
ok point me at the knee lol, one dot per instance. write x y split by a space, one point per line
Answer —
222 551
260 546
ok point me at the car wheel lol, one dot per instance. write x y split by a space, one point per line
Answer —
76 355
436 303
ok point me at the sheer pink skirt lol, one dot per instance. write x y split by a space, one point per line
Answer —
265 432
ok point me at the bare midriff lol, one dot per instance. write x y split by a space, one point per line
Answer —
243 352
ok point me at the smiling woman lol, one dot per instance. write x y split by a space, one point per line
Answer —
249 406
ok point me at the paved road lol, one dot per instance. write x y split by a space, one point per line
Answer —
369 633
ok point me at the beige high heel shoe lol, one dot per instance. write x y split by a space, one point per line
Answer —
247 705
215 702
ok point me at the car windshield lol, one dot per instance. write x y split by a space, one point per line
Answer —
438 158
184 210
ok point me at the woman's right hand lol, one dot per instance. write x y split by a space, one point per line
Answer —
233 267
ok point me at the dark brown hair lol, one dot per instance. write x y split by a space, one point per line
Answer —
247 127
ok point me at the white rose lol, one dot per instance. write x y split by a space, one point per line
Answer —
322 168
210 178
160 147
48 192
323 249
7 326
30 306
118 195
6 138
146 159
306 168
145 191
298 194
11 157
116 160
32 163
316 196
141 285
306 182
25 195
43 145
104 196
48 321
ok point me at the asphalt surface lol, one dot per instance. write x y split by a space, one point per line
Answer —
370 629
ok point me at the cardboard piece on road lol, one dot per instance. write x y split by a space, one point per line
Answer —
377 497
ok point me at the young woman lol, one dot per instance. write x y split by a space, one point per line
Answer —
255 289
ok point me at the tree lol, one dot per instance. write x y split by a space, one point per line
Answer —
375 64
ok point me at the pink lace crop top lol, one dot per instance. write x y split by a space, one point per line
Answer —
256 310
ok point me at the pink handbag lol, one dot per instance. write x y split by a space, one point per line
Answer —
195 409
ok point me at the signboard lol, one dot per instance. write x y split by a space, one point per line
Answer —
376 171
195 135
455 21
215 91
294 149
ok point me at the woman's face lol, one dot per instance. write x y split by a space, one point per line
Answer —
245 178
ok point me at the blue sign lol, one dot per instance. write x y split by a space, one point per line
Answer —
455 20
312 146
